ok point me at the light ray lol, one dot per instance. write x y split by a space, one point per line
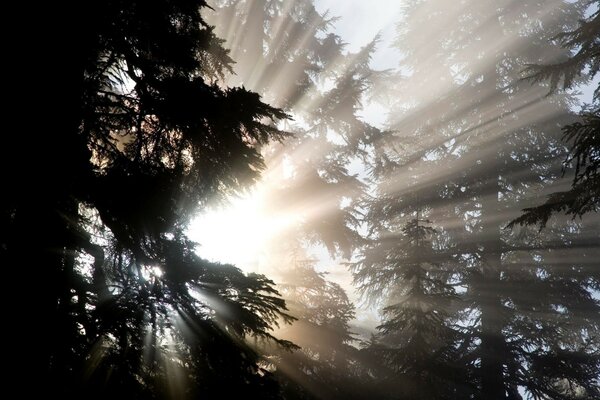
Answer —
446 125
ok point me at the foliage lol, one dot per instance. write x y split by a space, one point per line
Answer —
327 365
465 149
143 134
583 136
287 52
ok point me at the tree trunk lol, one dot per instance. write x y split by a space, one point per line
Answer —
489 290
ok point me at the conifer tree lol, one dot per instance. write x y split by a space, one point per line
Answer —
144 133
583 136
304 69
327 366
495 140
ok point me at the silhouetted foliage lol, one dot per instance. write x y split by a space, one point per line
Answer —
143 134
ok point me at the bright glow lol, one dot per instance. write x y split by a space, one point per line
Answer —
240 232
150 272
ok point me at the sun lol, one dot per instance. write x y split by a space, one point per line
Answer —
240 232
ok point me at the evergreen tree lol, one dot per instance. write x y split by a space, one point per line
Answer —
114 300
326 366
583 136
304 69
406 270
494 140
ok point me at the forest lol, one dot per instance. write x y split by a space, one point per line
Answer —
265 199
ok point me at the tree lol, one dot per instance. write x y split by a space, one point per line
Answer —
327 365
114 300
417 345
480 140
583 44
304 68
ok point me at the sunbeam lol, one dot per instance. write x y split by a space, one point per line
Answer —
470 144
240 232
307 199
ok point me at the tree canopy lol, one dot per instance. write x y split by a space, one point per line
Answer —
471 309
145 133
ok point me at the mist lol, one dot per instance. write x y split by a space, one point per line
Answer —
309 199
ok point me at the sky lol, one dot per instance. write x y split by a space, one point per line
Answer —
360 21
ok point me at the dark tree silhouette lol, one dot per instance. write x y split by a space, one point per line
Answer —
583 136
138 131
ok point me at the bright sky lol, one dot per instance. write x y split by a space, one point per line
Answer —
360 21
